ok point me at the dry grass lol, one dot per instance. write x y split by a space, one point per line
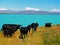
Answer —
43 36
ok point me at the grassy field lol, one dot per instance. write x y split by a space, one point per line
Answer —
43 36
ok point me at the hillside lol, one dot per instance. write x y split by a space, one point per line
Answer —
43 36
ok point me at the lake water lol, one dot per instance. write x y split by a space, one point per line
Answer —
26 19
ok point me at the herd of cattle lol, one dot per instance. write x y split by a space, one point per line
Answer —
9 29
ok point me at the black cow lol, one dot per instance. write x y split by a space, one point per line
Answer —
9 29
34 26
47 24
23 32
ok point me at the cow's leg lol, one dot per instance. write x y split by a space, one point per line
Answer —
35 29
24 36
29 30
10 35
21 36
5 35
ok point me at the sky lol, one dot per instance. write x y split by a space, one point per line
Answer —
30 5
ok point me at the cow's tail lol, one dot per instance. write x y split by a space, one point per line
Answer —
1 29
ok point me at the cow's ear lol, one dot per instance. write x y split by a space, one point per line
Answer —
21 26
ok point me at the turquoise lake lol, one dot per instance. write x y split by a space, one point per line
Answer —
26 19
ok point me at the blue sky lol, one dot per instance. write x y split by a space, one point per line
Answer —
21 4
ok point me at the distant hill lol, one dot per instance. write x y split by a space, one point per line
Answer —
27 12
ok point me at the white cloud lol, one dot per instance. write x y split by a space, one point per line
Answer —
35 9
55 10
14 9
3 9
9 9
17 9
29 8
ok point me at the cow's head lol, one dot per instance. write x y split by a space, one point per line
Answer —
18 26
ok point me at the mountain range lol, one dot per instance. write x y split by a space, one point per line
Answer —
27 12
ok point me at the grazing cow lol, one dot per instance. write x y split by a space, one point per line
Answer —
48 25
29 27
23 32
9 29
34 26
